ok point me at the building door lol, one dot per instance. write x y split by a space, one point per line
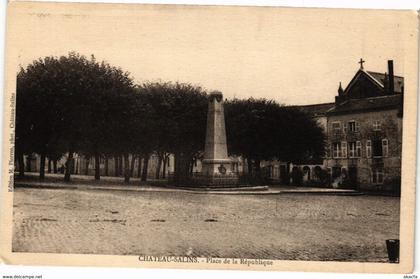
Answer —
336 179
353 177
336 172
283 175
377 148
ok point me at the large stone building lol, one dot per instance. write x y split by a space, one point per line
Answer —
364 131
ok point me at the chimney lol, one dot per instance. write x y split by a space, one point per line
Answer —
386 83
391 76
340 90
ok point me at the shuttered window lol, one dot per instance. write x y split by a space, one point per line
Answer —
368 149
385 148
344 149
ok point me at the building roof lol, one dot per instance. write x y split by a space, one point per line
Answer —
317 109
380 78
368 104
380 100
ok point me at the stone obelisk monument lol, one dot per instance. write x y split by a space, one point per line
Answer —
216 165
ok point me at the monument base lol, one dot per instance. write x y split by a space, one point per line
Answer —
208 181
223 181
219 167
217 173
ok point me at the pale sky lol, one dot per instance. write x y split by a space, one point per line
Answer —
295 56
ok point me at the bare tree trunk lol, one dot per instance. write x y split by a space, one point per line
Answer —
49 165
126 169
76 167
21 163
249 163
257 167
28 163
139 166
55 166
120 166
97 167
191 167
133 161
69 164
176 175
165 162
159 166
116 168
106 166
42 167
182 167
87 166
145 167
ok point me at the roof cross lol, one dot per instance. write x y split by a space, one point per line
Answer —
361 63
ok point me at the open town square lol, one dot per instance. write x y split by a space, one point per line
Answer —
135 220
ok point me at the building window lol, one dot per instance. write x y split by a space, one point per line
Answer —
377 148
378 176
358 149
336 150
336 126
376 125
355 149
352 126
352 149
368 149
344 149
385 148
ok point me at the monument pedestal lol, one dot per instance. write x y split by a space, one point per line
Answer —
217 168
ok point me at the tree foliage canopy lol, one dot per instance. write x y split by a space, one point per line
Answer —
260 129
69 104
74 104
180 120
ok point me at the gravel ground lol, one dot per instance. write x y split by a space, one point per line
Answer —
284 227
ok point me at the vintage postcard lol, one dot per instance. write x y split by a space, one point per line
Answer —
209 137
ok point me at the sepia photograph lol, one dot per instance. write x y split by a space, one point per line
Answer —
210 136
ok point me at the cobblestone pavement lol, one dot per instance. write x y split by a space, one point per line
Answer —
286 227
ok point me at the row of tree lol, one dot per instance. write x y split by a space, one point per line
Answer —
260 129
73 104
